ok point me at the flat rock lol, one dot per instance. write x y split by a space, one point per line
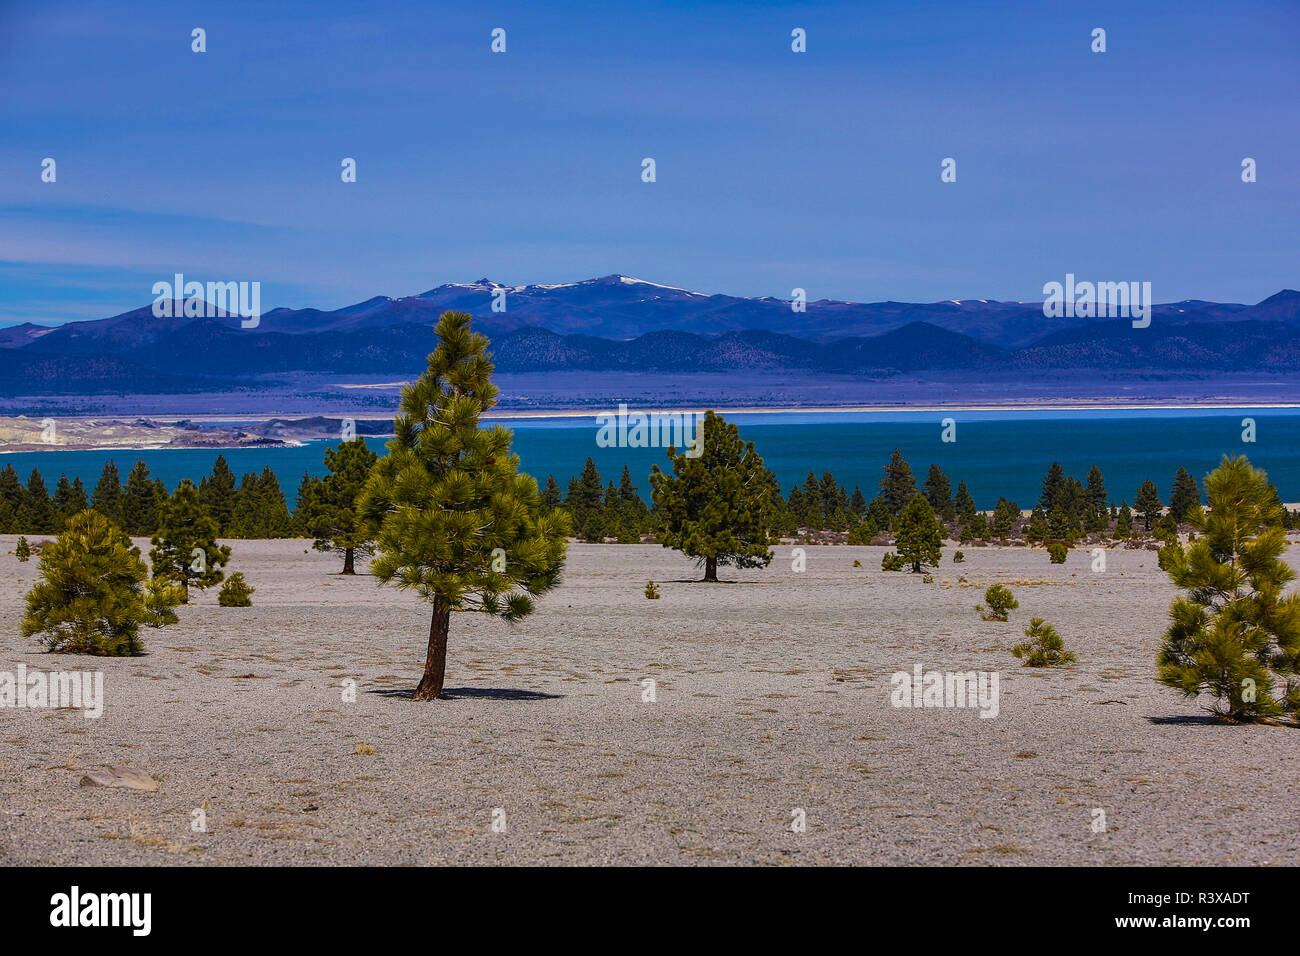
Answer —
128 778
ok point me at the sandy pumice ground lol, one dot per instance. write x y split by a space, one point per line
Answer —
773 693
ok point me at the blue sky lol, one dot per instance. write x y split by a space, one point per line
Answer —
775 169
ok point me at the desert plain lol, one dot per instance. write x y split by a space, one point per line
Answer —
772 695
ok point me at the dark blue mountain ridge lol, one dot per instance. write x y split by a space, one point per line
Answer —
548 328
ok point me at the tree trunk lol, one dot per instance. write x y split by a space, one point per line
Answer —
435 663
710 569
348 557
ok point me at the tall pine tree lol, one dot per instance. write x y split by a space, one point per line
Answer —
899 484
11 499
107 497
185 549
919 539
457 522
1148 503
139 502
217 492
718 507
1184 497
37 511
331 514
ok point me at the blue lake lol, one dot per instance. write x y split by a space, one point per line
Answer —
995 453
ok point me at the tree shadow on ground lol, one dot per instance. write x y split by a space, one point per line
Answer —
1194 720
472 693
702 581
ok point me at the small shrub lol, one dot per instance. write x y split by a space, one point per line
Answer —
652 591
235 592
857 564
998 600
959 557
928 579
1044 647
891 562
23 550
1056 552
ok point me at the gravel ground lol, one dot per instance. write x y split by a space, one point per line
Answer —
773 693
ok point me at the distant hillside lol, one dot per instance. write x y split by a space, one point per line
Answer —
616 324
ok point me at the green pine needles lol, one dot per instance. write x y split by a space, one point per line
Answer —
185 549
717 507
1044 647
235 592
1232 634
327 507
919 538
94 593
452 517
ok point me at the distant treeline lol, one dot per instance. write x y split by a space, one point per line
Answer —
255 506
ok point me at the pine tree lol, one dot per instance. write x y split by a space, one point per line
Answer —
236 592
1148 503
11 499
858 503
37 512
1062 525
217 492
899 485
1095 495
919 539
185 549
305 504
835 504
964 504
633 507
814 505
1044 647
583 498
1233 624
330 514
797 507
938 491
139 502
107 498
92 597
551 496
1005 517
23 550
1038 528
1053 485
260 508
457 520
999 602
1124 523
717 508
879 515
1184 497
69 499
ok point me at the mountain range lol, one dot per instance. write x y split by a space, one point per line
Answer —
619 324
